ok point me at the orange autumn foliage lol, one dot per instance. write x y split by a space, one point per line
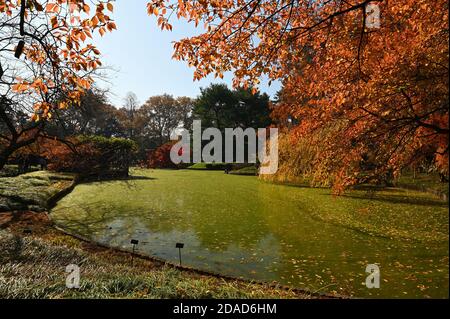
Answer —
377 97
47 60
56 46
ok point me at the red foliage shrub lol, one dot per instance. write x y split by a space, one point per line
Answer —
160 157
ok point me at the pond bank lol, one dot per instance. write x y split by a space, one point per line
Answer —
36 191
33 266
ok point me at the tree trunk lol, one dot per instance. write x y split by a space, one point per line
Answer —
14 146
4 156
3 160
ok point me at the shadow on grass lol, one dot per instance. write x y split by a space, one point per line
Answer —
114 179
296 185
126 180
376 188
398 199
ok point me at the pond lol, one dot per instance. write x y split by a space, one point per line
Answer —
244 227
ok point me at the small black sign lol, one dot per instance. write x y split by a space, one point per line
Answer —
135 241
179 245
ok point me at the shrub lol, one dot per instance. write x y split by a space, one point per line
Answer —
91 156
216 166
248 170
160 157
210 166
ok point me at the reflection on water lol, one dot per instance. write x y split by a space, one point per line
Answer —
240 226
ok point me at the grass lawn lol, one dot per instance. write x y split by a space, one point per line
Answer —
249 170
32 191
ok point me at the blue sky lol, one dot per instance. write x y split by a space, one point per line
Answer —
141 56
